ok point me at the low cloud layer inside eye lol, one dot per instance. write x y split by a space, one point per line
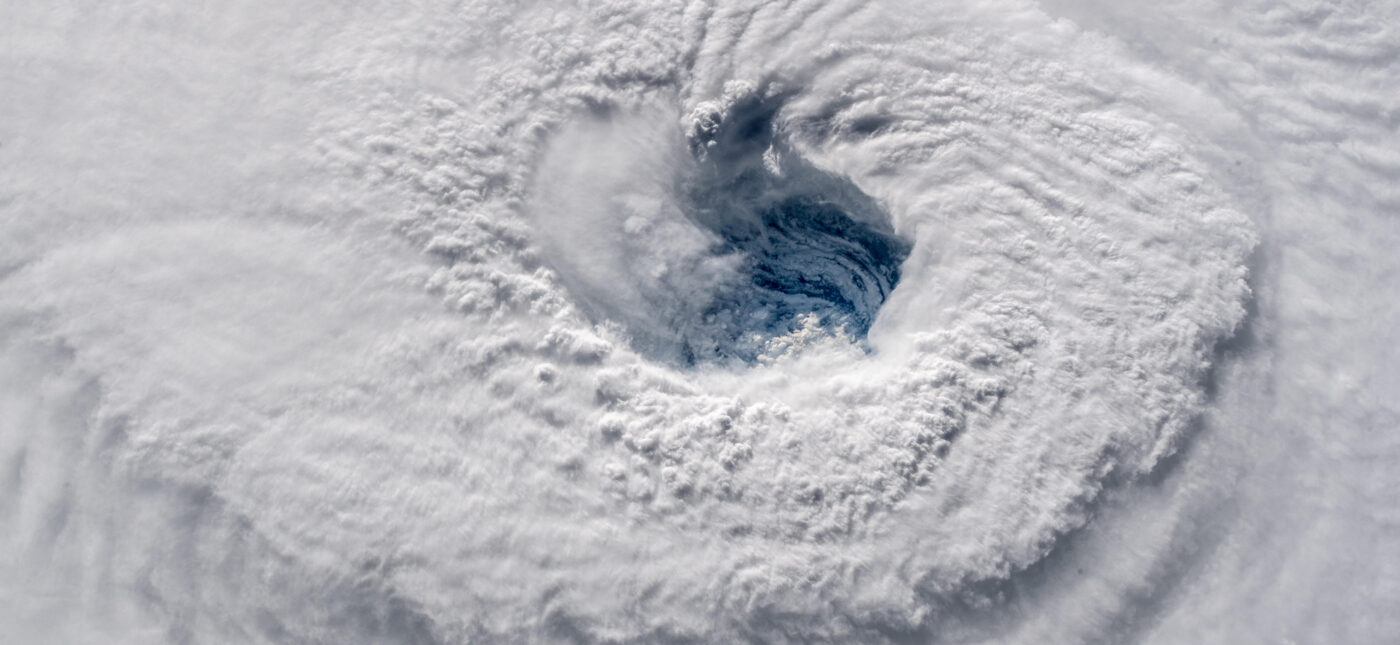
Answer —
815 250
734 248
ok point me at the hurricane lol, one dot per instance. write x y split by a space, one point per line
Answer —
705 321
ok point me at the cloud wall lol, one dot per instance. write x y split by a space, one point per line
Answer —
697 322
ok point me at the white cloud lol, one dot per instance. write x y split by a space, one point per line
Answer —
241 411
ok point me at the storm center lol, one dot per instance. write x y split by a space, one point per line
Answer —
813 253
722 245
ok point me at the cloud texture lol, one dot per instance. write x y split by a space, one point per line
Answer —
697 322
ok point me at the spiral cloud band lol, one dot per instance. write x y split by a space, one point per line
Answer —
718 321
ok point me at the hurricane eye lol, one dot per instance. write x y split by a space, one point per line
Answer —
720 244
813 251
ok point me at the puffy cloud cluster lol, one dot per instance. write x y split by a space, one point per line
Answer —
391 353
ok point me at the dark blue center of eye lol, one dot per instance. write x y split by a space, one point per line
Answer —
810 244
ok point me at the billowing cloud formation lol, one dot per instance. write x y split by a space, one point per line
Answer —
671 321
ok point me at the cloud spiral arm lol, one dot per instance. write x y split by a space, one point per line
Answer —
623 322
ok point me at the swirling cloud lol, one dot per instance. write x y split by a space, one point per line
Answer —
638 322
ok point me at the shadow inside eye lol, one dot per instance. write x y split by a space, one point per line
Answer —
811 246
